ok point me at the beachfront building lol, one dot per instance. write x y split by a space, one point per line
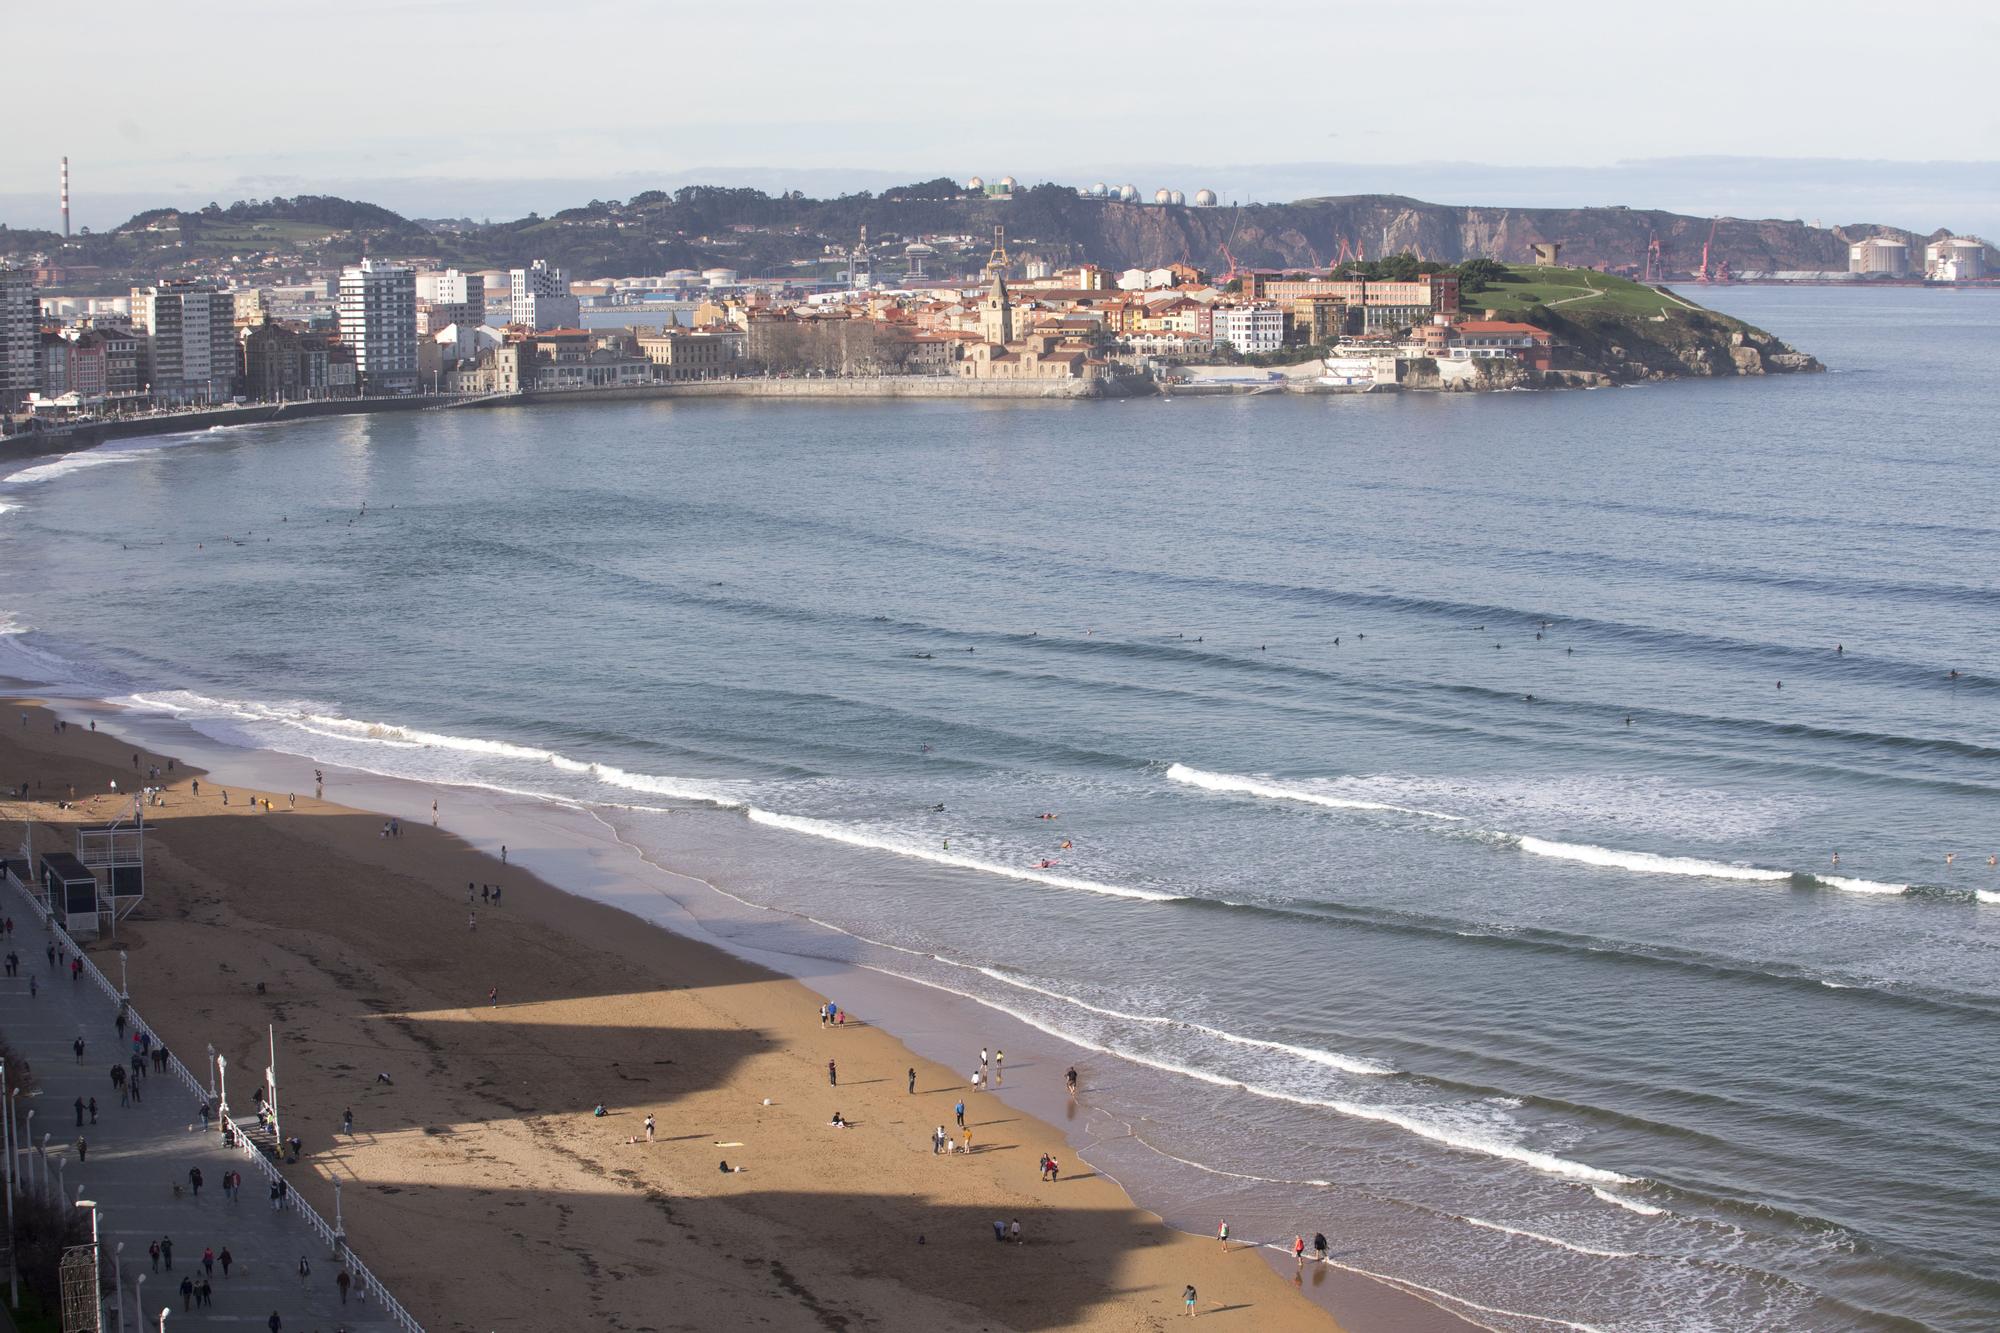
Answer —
283 363
449 297
20 327
378 319
189 343
679 354
539 298
1248 328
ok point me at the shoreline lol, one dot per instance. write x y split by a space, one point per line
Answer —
562 849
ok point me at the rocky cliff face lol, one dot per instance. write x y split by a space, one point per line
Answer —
1311 233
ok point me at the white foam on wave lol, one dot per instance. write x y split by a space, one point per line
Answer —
1556 1241
1347 1064
874 841
1986 896
1450 1135
1236 784
1629 1205
1646 862
1847 885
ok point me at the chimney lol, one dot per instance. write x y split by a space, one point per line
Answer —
65 197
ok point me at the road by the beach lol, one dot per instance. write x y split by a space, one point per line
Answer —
138 1153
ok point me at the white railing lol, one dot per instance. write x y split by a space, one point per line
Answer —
364 1279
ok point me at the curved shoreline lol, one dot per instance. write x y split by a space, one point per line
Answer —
557 853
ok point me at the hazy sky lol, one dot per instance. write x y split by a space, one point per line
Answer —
218 99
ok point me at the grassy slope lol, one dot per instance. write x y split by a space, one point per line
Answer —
1577 293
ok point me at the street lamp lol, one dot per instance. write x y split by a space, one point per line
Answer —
118 1282
124 991
13 1167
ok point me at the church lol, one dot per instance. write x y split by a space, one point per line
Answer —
1039 356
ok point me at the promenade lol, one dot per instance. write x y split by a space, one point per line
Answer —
137 1154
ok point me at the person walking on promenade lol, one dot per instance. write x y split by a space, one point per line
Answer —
194 1180
167 1252
284 1193
77 1046
93 1110
204 1293
79 1112
225 1259
276 1325
153 1252
342 1281
82 1149
187 1294
347 1122
305 1273
274 1196
208 1260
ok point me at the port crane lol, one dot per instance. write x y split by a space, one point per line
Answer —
1716 270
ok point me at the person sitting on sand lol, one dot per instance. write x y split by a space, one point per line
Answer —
837 1122
599 1110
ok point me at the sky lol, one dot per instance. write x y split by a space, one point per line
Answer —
1837 109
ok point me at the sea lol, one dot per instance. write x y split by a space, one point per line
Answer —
1543 841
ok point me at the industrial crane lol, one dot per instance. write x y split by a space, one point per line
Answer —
1718 271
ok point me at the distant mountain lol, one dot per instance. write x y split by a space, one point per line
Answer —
760 234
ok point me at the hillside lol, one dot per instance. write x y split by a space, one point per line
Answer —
760 234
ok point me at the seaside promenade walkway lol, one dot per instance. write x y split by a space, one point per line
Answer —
138 1153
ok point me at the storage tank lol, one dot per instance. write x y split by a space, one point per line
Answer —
1099 190
1879 255
719 277
1128 194
1163 196
1177 198
1957 259
1204 199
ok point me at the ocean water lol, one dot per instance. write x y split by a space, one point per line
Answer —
1446 791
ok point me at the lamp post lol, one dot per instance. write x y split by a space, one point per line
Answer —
139 1297
222 1085
339 1228
124 991
118 1282
30 1133
13 1167
211 1072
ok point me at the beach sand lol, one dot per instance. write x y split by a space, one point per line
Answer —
478 1184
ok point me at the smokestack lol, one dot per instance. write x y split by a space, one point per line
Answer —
65 197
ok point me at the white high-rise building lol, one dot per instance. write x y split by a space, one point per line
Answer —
378 319
450 297
190 353
20 338
1250 328
540 298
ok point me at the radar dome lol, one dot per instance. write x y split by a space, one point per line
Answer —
1163 196
975 184
1177 198
1099 190
1128 193
1006 182
1204 199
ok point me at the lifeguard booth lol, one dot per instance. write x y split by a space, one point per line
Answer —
69 887
116 854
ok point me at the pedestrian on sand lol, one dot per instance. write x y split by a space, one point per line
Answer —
1222 1233
347 1121
958 1110
1187 1299
913 1081
832 1075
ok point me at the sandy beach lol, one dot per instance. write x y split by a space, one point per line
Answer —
478 1182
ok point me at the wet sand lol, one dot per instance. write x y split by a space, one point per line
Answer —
479 1184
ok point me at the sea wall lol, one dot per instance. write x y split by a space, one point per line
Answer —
67 439
882 386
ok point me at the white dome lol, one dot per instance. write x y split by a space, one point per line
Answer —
975 184
1177 198
1128 192
1204 199
1006 182
1163 196
1099 190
